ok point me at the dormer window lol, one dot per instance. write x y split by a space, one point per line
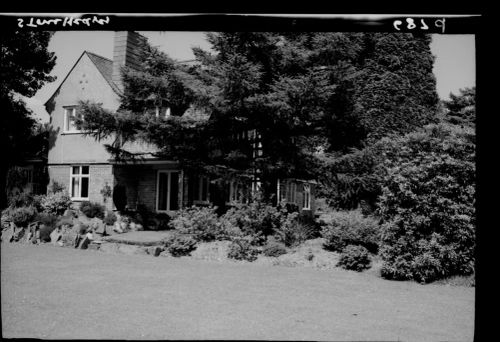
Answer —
70 114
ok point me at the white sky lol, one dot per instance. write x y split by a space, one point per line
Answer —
454 66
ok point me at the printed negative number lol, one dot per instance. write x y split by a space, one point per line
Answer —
410 24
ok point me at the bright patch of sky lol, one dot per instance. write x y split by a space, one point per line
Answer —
454 66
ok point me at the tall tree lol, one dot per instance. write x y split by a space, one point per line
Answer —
303 93
24 68
461 108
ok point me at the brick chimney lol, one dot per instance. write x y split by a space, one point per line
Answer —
127 48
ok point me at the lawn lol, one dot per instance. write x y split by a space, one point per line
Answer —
55 293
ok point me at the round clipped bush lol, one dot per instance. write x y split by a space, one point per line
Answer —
180 245
355 258
92 210
274 249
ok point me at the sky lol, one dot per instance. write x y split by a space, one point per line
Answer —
454 66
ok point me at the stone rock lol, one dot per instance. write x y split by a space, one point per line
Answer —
155 250
94 246
165 254
101 230
96 224
132 226
123 225
84 243
27 237
55 236
108 247
69 213
19 232
139 227
8 234
131 249
117 228
68 236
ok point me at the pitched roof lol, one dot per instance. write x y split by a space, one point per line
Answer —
105 67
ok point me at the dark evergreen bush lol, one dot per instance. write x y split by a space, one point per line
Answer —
180 245
92 210
354 258
274 249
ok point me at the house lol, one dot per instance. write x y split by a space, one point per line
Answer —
83 166
29 176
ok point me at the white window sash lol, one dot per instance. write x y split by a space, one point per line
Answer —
307 197
70 112
169 182
79 177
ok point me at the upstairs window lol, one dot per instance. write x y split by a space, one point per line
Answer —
79 182
70 114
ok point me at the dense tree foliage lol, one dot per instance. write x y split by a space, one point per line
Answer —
461 108
24 68
305 93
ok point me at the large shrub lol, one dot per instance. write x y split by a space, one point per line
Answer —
243 248
351 228
180 245
55 203
201 223
22 199
428 205
92 210
355 258
292 231
21 217
254 218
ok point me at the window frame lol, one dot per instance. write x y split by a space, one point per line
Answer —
236 193
199 192
169 180
66 128
80 175
306 205
291 193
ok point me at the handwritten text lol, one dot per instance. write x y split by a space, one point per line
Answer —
66 21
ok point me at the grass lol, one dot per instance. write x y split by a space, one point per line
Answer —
56 293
